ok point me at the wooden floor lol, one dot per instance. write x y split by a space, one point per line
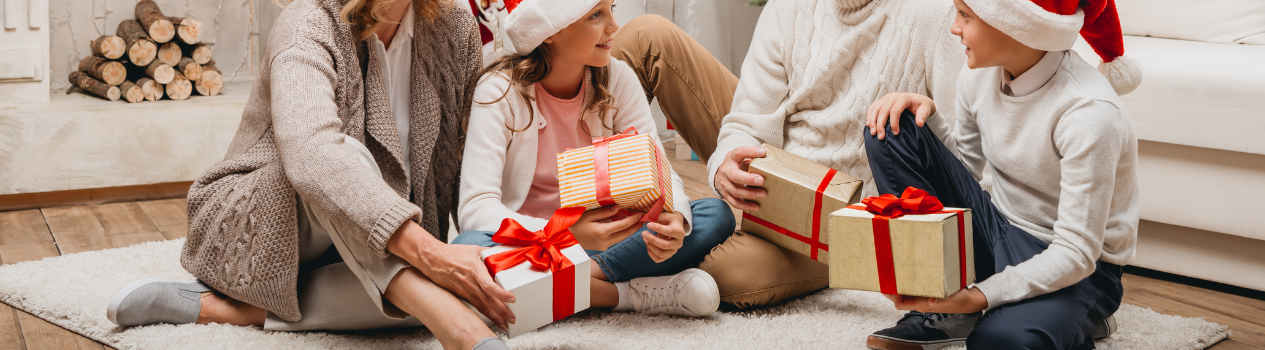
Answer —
38 233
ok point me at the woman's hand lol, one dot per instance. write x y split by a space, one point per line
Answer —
671 235
963 302
735 184
890 107
457 268
593 234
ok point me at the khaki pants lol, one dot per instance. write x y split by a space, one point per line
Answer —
696 92
346 294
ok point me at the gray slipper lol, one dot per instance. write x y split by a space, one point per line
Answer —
150 301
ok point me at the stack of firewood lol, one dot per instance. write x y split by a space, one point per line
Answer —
150 57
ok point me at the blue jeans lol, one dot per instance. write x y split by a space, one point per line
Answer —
713 224
1063 319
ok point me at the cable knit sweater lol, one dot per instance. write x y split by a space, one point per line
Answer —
815 66
318 85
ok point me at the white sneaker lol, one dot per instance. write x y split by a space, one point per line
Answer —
689 293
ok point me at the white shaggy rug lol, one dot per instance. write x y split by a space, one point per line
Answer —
73 290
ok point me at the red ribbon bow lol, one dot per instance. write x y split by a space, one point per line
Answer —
543 249
602 174
913 201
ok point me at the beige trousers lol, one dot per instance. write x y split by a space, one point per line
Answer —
346 294
696 92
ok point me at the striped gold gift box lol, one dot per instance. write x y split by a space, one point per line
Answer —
639 175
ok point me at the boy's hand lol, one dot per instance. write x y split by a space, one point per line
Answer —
671 235
963 302
890 107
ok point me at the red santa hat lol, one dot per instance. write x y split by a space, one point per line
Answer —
1052 25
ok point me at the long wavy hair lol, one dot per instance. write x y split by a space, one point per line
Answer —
369 15
523 71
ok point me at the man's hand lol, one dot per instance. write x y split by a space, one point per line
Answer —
594 234
889 107
963 302
455 267
671 235
735 184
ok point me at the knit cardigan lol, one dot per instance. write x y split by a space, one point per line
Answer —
500 164
319 83
815 66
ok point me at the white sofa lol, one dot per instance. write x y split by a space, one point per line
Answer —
1200 120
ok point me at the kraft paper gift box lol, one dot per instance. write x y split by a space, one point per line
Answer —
627 170
801 195
544 294
927 252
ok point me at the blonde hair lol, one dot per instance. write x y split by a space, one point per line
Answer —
523 71
368 15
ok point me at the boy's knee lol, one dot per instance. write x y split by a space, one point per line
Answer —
910 132
999 334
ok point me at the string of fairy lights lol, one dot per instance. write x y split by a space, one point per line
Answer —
99 23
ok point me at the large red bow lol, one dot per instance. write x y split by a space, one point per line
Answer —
913 202
543 249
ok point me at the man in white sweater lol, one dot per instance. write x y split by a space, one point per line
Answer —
813 67
1062 216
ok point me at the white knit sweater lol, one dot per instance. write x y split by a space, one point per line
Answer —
815 66
498 165
1064 163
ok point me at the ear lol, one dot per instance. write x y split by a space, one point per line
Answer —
549 40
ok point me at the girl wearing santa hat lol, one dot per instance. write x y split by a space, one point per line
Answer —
1062 215
559 91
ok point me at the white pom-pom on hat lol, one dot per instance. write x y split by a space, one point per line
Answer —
1124 73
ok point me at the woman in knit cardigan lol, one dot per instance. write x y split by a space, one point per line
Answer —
331 208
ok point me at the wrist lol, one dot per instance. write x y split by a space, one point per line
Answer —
411 242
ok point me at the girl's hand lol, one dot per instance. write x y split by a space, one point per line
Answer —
596 235
963 302
671 234
890 107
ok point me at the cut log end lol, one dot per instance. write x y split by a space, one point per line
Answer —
188 30
161 72
200 54
170 54
211 83
109 46
151 89
190 69
152 20
131 93
107 71
179 88
142 52
96 87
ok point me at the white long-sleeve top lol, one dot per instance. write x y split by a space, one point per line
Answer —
815 66
1064 165
498 164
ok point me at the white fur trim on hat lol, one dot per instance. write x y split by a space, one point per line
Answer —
535 20
1124 73
1030 24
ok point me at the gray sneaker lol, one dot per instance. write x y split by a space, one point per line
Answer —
150 301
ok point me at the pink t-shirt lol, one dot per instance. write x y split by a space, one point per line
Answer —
563 129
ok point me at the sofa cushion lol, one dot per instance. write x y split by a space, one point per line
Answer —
1196 94
1214 21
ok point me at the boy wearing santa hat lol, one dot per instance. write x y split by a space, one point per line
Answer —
1062 215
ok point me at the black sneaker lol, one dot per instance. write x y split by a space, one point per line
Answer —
1104 328
921 331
